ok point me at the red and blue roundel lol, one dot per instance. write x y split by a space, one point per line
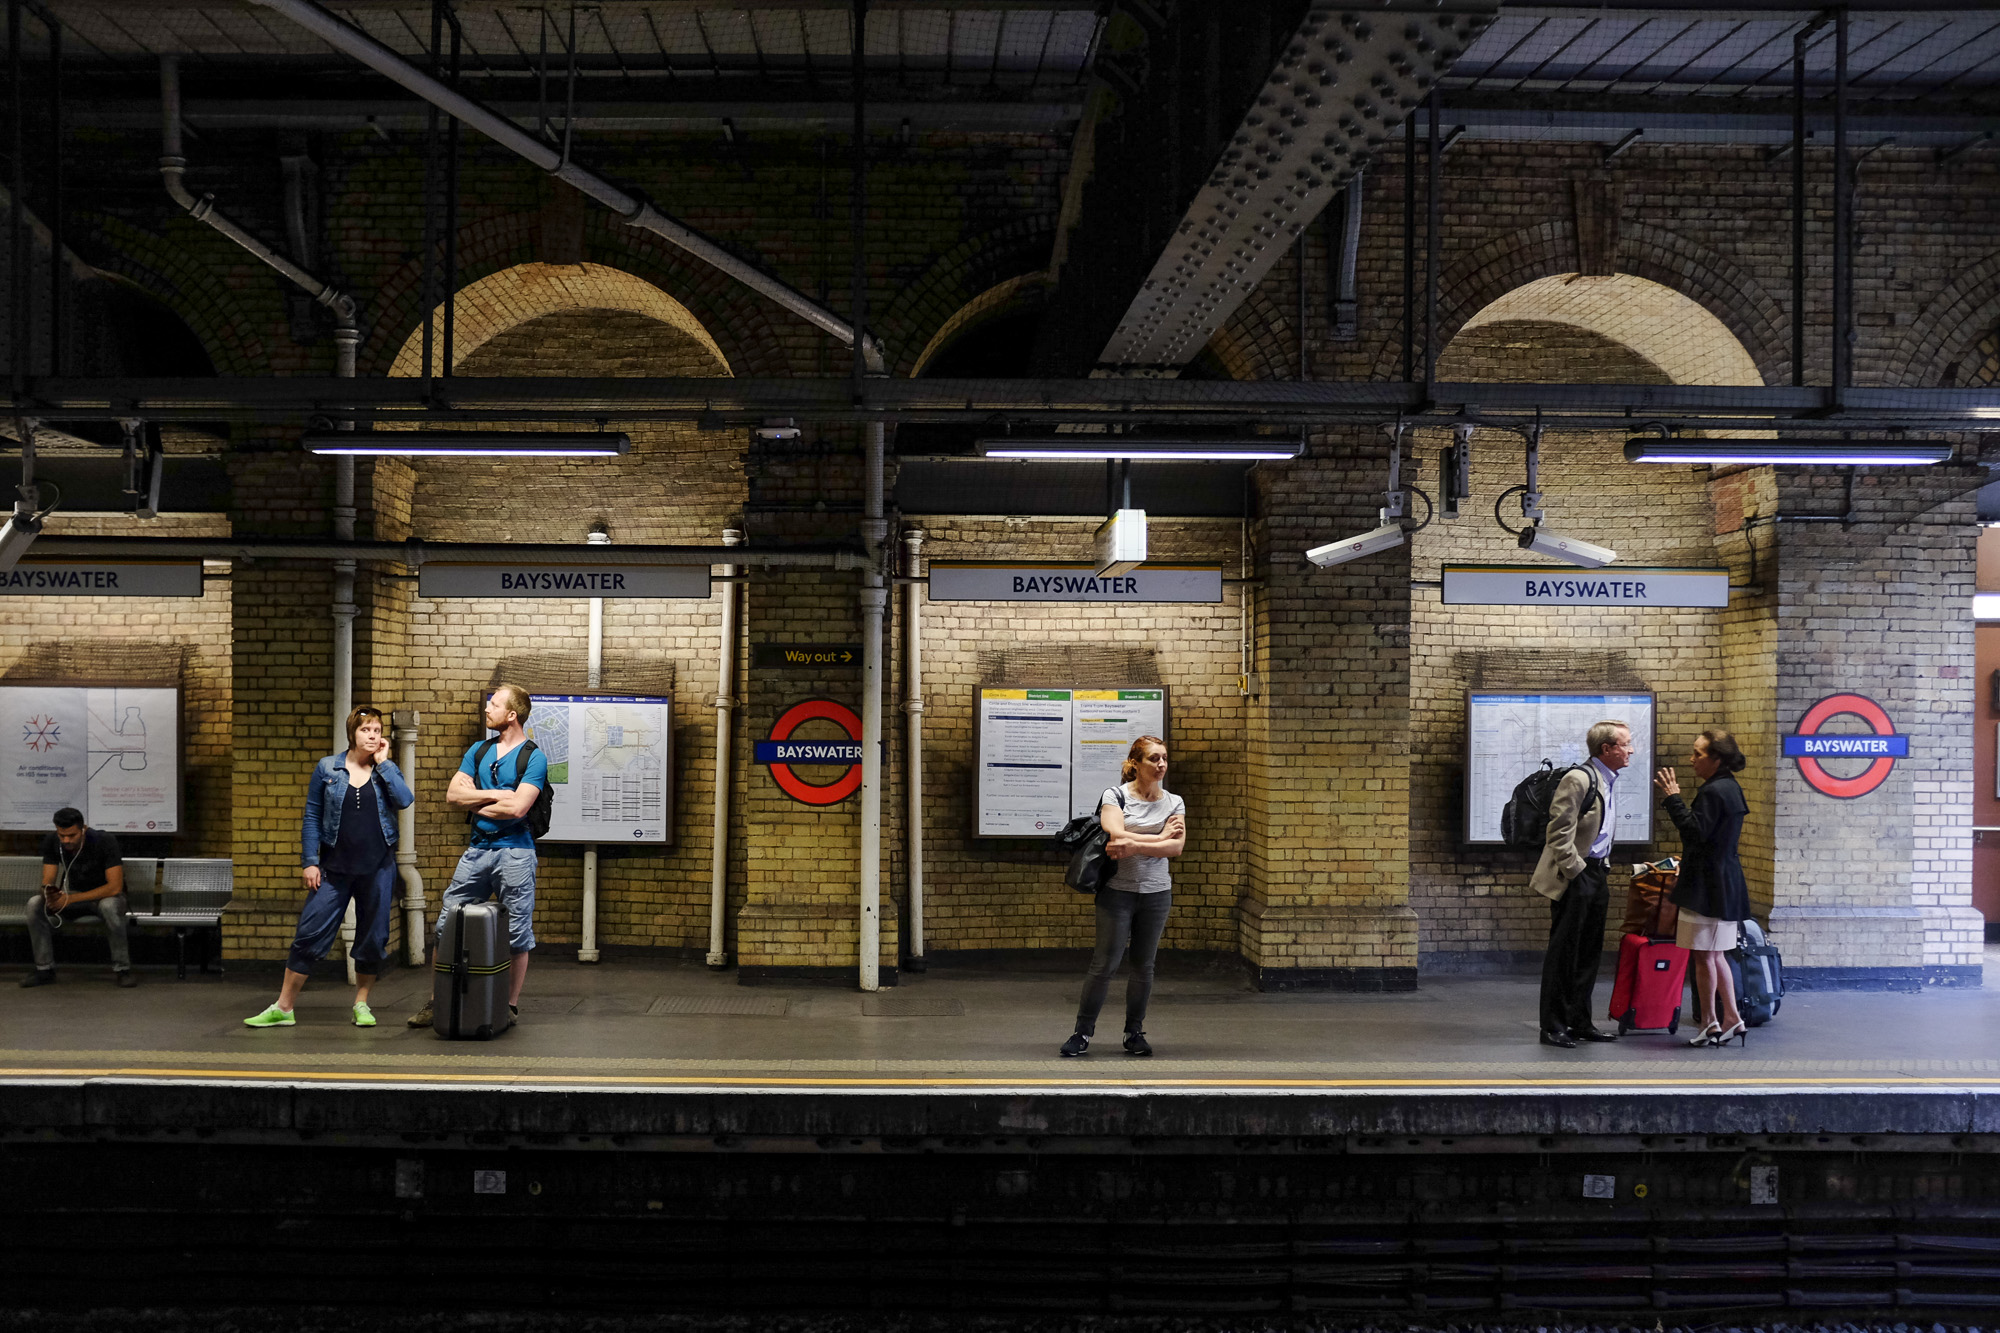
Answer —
1880 744
781 752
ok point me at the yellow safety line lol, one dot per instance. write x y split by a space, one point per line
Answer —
126 1071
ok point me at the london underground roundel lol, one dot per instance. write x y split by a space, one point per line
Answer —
781 751
1880 745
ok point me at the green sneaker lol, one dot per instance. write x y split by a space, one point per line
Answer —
274 1017
364 1017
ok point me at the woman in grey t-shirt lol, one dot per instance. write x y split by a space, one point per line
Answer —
1146 825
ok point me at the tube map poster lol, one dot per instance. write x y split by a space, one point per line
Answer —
112 752
610 760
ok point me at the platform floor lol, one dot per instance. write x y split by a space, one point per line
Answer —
666 1025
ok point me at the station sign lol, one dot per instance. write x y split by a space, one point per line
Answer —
1880 745
803 656
1551 585
450 578
969 581
780 751
102 578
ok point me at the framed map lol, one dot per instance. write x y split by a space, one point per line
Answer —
611 764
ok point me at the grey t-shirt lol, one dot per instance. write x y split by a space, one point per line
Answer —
1143 874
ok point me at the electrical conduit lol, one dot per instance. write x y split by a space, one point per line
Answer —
586 950
874 599
405 722
913 707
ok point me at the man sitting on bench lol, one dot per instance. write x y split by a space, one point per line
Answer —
81 873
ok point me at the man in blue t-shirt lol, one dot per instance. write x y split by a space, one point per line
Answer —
499 791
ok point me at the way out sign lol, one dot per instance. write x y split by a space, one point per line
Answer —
785 747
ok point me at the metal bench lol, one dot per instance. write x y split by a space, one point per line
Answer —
186 895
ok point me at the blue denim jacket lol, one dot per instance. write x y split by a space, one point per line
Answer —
326 794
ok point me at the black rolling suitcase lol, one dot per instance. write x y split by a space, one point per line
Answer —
1759 973
469 994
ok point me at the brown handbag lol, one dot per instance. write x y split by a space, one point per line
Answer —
1649 906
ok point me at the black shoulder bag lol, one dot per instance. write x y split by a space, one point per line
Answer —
1090 866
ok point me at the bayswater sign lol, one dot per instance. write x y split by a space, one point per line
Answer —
1545 585
102 578
452 579
969 582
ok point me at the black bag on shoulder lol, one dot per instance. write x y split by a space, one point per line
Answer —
1090 866
543 810
1524 820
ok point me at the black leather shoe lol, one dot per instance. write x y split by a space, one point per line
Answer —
1562 1039
1593 1034
41 976
1078 1044
1136 1044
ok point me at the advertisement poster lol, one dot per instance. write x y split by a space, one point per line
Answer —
1107 722
610 761
1024 738
112 752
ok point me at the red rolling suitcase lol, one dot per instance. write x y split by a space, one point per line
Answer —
1652 974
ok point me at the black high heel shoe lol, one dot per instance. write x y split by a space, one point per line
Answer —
1741 1033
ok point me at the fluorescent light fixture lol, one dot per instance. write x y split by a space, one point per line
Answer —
1986 606
1837 453
16 535
1385 538
1573 549
1099 448
472 444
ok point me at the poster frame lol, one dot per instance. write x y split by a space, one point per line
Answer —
1642 766
671 778
979 747
180 746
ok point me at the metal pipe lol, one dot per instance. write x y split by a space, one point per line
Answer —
1799 204
586 949
913 709
55 191
874 599
1843 314
634 211
1347 289
725 702
17 250
1409 249
858 54
405 722
414 552
1432 203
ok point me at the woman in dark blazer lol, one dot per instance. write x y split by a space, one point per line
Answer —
1711 893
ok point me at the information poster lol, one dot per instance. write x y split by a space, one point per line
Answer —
1024 744
1107 722
112 752
610 765
1508 735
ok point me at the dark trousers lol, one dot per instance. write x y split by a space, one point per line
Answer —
1124 920
326 908
1576 948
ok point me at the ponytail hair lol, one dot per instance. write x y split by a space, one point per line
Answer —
1130 768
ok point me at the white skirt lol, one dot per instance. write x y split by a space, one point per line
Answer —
1705 932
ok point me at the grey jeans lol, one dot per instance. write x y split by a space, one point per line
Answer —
1125 920
43 935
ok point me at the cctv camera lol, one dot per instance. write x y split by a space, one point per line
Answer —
15 536
1572 549
1386 537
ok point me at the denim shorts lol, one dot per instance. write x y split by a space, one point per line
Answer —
504 872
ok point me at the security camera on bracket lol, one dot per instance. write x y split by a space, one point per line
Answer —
1393 515
1536 536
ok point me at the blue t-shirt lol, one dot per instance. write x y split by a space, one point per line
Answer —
503 773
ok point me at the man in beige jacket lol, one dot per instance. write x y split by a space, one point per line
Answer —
1573 875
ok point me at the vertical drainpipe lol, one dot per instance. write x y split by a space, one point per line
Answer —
874 599
586 951
405 722
725 701
913 706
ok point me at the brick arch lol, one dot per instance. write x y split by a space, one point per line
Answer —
753 335
995 300
914 323
1730 295
182 272
513 296
1674 332
1950 329
1259 341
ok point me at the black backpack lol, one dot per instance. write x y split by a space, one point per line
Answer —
1524 820
1090 868
543 810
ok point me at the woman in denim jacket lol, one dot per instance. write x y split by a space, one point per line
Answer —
348 855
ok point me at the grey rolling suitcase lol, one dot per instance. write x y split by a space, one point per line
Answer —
469 995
